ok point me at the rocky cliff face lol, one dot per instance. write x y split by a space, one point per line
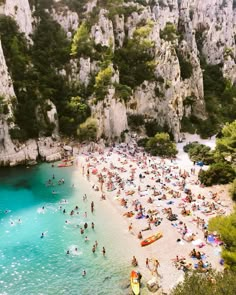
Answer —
21 12
175 34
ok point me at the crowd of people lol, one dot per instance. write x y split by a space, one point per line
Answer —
151 190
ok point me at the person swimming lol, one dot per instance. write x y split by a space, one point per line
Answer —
94 248
84 273
42 235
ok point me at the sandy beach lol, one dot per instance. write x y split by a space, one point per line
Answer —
159 195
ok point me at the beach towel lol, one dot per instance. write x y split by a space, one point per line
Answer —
144 193
197 242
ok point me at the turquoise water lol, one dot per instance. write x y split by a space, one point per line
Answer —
30 264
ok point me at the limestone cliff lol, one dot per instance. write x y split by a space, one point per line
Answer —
21 12
171 38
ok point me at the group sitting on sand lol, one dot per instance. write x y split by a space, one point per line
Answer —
155 193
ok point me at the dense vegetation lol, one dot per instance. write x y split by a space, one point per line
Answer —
135 58
169 33
218 173
220 98
226 228
226 144
212 283
40 70
186 68
161 145
222 159
87 131
35 69
233 190
199 152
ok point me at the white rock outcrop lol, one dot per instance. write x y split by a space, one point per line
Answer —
205 27
102 32
69 20
53 117
20 11
6 85
111 116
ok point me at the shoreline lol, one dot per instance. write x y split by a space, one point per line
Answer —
169 275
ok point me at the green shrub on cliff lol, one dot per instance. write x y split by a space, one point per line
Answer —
135 121
103 80
232 190
169 33
87 131
186 68
135 60
123 91
82 44
75 112
35 70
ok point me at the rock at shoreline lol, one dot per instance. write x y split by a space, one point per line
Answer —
53 157
153 285
45 149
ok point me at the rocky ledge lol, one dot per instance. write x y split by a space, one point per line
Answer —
31 152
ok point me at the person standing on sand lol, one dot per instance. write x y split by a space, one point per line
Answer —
83 170
156 264
130 227
206 235
134 261
147 263
88 175
140 236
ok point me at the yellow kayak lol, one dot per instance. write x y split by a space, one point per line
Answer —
134 281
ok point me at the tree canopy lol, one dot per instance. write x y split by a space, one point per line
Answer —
161 145
212 283
226 228
226 145
217 173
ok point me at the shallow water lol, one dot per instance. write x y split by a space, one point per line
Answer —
30 264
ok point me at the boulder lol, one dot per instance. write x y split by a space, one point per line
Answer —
53 157
153 285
